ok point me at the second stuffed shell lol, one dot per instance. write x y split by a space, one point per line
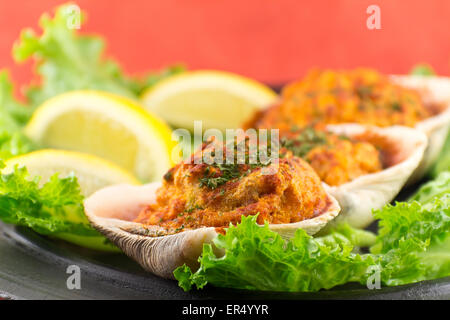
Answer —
367 97
435 91
401 150
363 167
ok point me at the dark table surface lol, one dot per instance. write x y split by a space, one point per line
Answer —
34 267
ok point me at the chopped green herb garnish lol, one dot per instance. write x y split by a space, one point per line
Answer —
363 91
305 141
193 208
180 228
342 137
229 171
168 176
396 106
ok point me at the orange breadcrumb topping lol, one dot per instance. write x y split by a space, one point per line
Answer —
330 97
203 195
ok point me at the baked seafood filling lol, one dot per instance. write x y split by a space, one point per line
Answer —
366 97
363 167
215 195
337 159
360 95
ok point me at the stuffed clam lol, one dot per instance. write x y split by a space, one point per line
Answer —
367 97
164 225
435 91
400 151
363 167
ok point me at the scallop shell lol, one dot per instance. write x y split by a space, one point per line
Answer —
112 210
435 90
360 196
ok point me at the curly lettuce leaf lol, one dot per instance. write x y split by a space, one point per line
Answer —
53 208
413 244
257 258
436 188
414 240
14 144
66 60
13 115
443 162
148 80
422 69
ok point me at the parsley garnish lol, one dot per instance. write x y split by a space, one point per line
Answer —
168 176
396 106
226 172
305 141
180 228
191 209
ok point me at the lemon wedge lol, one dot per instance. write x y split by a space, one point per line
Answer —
106 125
92 173
220 99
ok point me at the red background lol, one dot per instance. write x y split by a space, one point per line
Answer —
272 41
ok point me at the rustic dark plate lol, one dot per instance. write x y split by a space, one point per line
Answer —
34 267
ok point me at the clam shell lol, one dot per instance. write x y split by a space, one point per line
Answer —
112 209
437 90
358 197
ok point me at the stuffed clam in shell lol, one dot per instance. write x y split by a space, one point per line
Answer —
164 225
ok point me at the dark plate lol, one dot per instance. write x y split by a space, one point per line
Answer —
34 267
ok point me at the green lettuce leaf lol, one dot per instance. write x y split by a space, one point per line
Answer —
148 80
13 144
422 69
13 115
414 240
66 60
52 208
436 188
443 162
259 259
413 244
